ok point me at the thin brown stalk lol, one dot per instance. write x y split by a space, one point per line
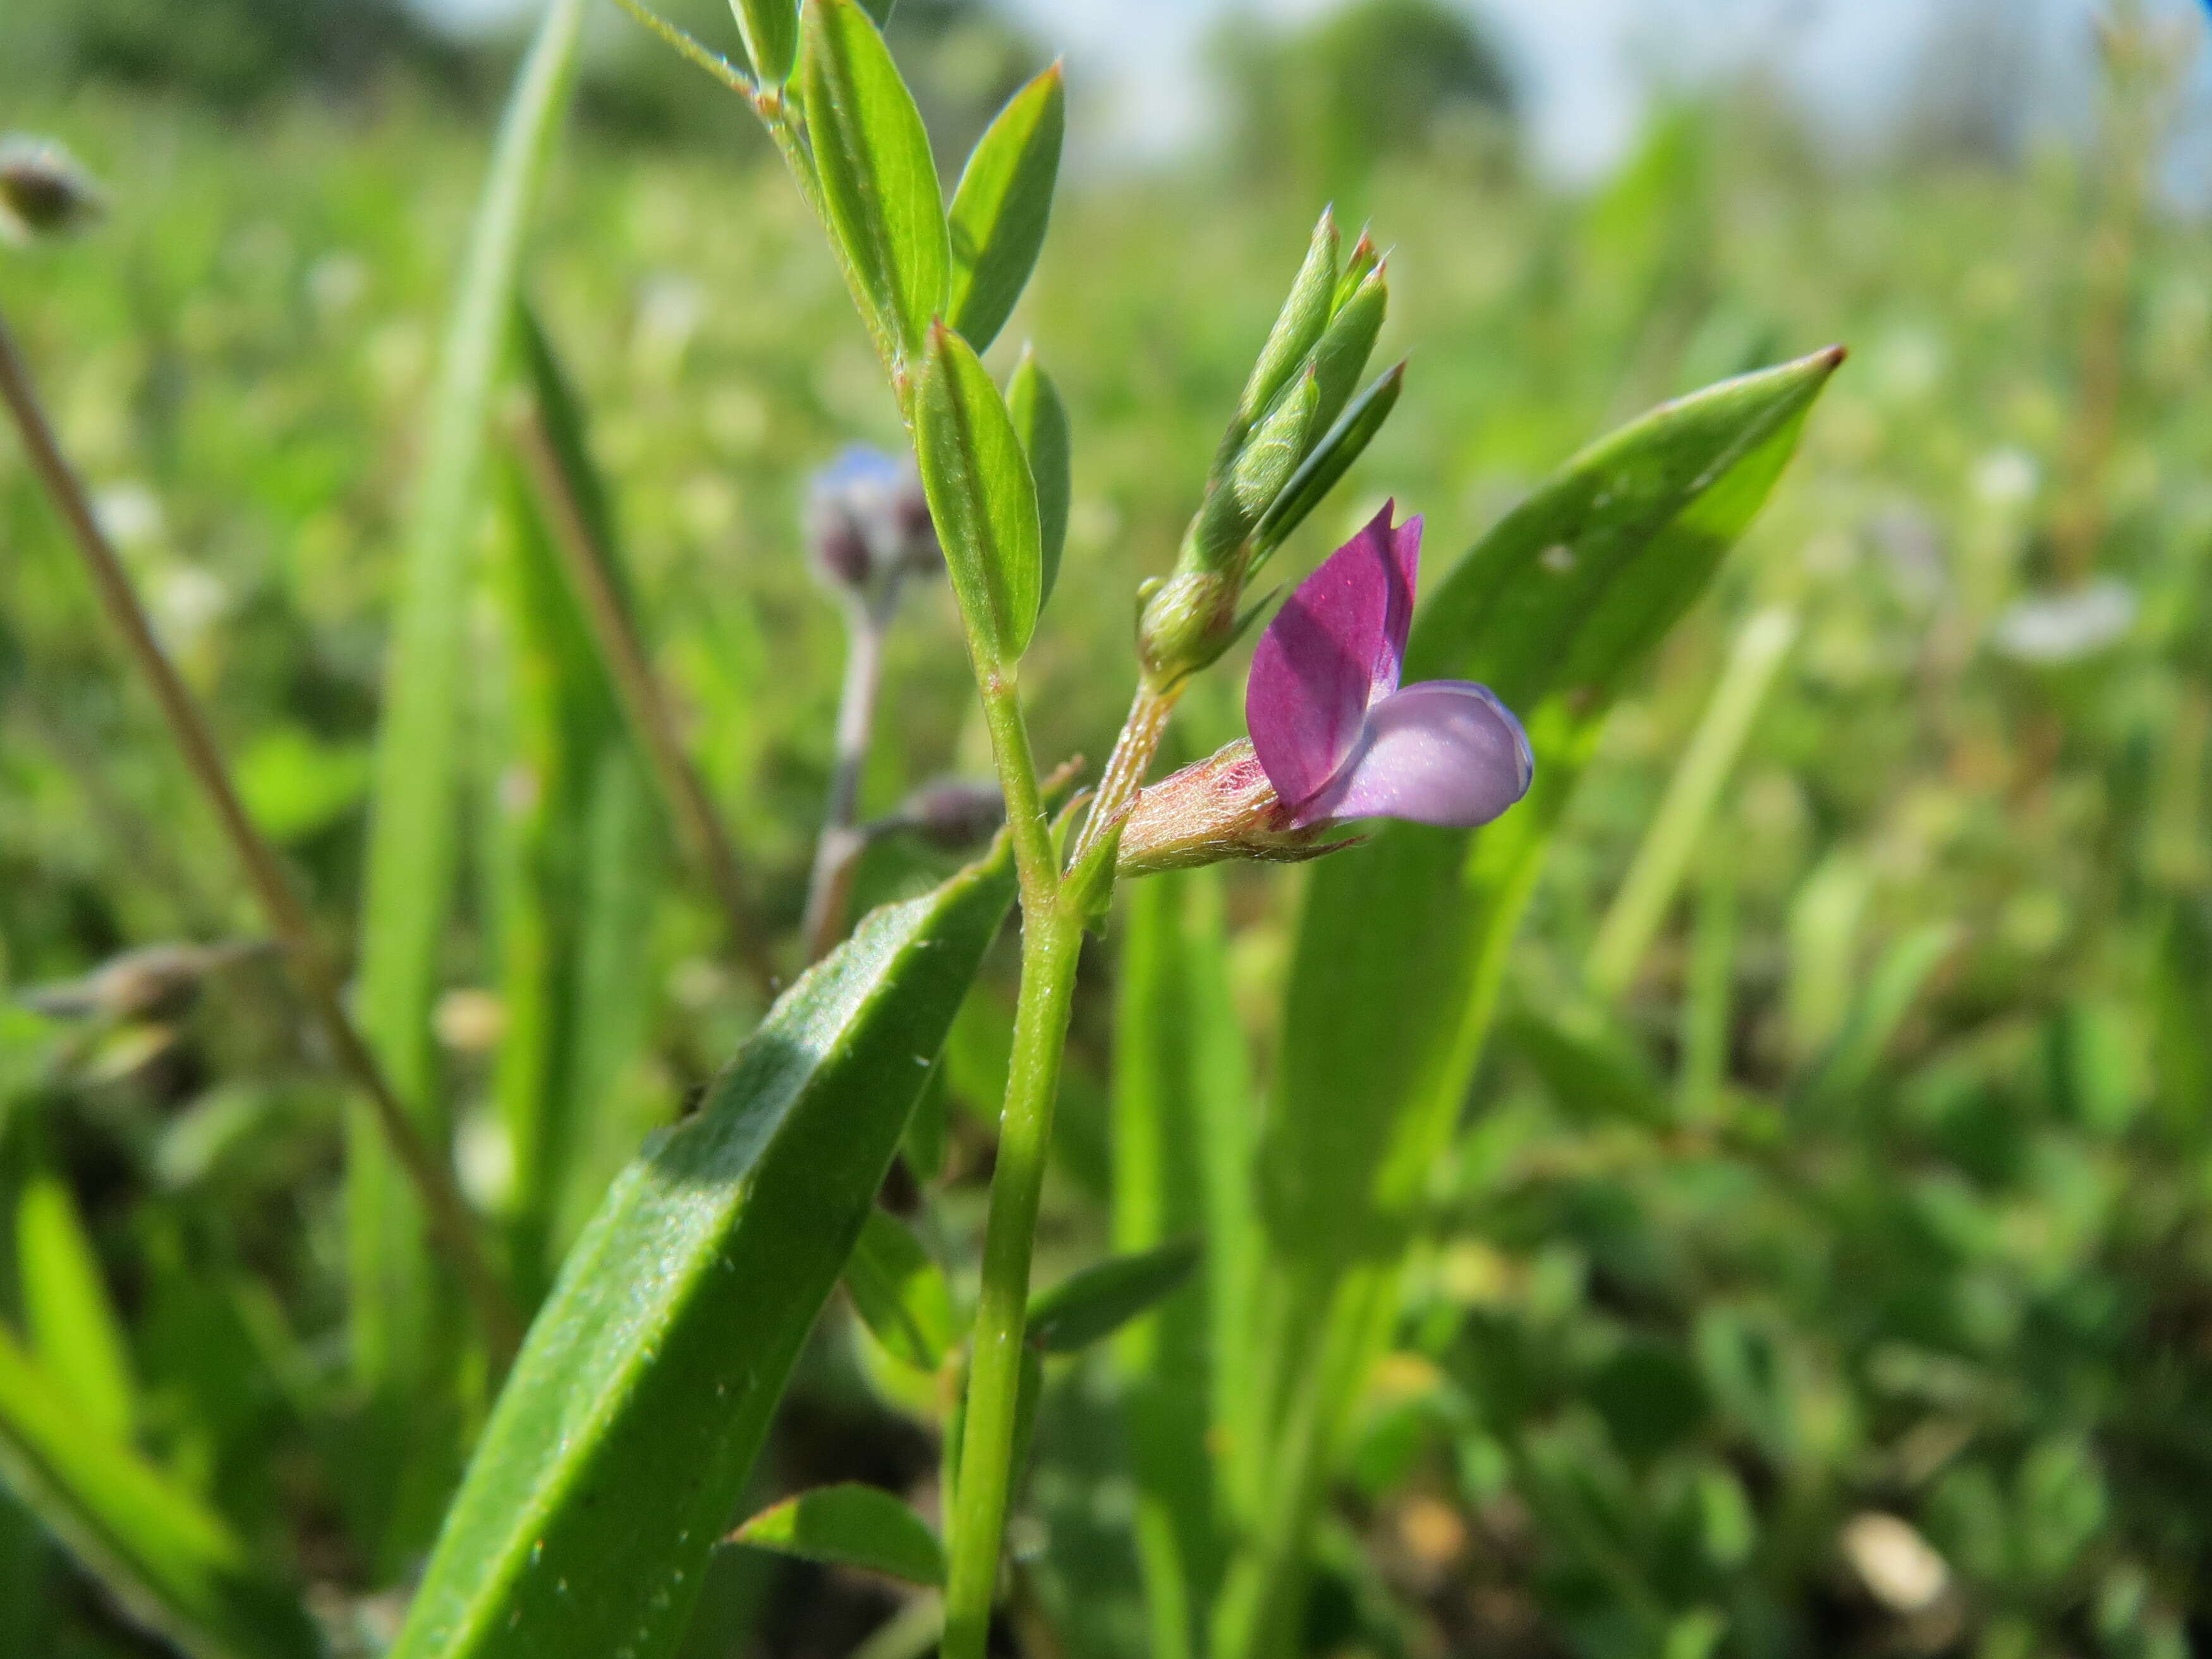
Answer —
652 723
452 1226
837 855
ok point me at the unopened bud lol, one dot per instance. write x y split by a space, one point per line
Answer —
1342 356
43 190
867 523
1186 622
1304 314
1223 807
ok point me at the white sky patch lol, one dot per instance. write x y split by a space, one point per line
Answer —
1589 67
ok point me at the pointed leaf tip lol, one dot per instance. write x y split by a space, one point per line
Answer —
850 1525
1098 1300
1003 205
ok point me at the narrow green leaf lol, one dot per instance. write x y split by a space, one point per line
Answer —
580 858
1329 459
415 829
981 496
770 29
1709 1000
1098 1300
1679 827
1403 937
878 177
1880 1009
623 1441
1403 942
170 1563
850 1525
900 1293
880 10
1182 1153
1001 205
73 1325
1041 422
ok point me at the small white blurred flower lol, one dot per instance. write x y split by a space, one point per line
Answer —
336 282
189 599
2006 478
2048 630
670 309
1894 1562
130 513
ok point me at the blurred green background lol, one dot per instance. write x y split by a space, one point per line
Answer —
1850 1292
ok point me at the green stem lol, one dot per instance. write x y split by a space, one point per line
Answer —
1052 937
1125 767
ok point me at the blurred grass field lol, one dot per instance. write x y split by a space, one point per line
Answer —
1888 1192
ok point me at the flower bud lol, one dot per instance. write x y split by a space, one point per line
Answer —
867 523
1223 807
43 190
1305 314
1184 623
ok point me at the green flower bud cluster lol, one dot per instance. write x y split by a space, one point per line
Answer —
1297 428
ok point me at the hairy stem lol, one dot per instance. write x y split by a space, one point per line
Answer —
452 1226
1052 937
1125 767
837 854
652 723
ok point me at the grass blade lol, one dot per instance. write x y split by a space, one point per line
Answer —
72 1323
623 1439
1402 946
581 859
1183 1149
1655 873
173 1565
413 848
575 513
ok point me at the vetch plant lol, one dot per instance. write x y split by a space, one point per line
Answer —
1384 735
1337 736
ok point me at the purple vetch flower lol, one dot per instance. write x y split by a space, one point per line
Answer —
1337 734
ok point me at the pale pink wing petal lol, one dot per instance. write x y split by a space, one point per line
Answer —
1334 646
1443 752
